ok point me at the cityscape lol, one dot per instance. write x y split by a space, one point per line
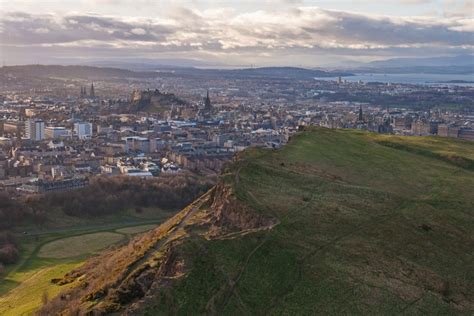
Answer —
75 129
276 157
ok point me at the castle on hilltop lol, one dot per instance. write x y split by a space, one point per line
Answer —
153 100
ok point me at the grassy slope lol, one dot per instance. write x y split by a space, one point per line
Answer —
351 237
23 288
27 296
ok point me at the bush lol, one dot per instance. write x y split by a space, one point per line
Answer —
12 212
8 254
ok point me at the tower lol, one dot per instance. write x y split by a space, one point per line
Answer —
207 103
34 129
361 117
92 92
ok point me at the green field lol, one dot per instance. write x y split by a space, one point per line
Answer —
136 229
50 252
78 245
362 224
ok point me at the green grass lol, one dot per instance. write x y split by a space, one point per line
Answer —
32 286
136 229
351 237
52 253
58 221
78 245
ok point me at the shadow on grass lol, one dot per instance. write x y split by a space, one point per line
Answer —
458 161
7 285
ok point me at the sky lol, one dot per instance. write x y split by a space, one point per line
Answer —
305 33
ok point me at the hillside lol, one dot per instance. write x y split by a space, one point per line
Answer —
337 222
461 64
85 72
286 72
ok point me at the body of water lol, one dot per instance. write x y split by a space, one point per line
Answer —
425 79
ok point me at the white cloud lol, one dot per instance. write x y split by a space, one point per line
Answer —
138 31
224 32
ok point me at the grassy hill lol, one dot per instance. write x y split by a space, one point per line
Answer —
336 222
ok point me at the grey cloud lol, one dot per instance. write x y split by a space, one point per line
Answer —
20 28
305 30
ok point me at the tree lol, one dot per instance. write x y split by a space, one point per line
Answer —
8 254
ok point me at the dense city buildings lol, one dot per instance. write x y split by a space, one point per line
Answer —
55 133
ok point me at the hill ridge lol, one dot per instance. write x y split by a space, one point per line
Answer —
334 222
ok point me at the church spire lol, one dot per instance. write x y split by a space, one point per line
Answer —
92 94
361 117
207 103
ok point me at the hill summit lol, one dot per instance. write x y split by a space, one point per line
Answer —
336 222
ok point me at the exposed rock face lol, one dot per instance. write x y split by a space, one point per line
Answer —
229 215
125 279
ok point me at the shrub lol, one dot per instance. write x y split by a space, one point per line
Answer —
8 254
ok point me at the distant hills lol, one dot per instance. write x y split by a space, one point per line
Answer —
462 64
456 61
145 64
288 72
85 72
93 73
338 222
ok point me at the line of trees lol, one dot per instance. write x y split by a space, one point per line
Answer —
105 196
110 195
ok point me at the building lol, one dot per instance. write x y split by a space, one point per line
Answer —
5 141
445 130
424 128
136 143
13 127
83 92
41 186
92 91
83 130
207 111
207 103
361 114
466 134
53 132
34 129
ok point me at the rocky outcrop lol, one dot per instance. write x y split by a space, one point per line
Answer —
229 215
122 280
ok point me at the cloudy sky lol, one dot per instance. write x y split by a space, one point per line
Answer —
233 32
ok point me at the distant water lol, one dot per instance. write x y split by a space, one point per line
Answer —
425 79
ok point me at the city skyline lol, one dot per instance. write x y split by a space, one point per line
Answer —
230 33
